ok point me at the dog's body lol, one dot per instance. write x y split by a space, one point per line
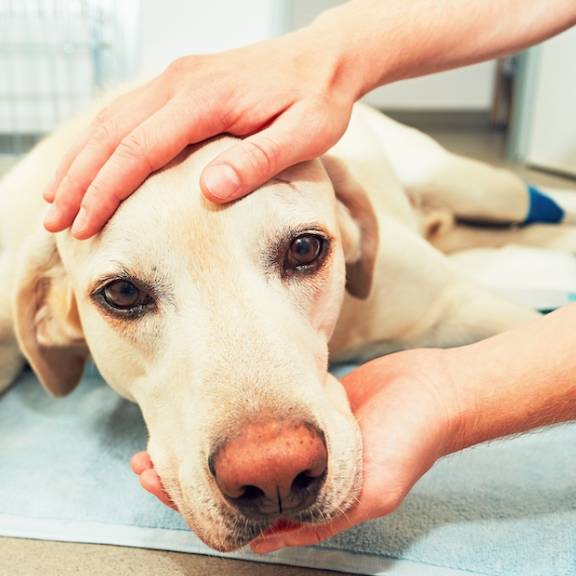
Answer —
227 339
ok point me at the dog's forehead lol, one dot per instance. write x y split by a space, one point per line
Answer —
173 196
169 211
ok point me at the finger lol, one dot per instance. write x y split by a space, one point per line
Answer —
307 536
101 142
151 482
373 502
50 190
252 162
140 462
362 383
148 147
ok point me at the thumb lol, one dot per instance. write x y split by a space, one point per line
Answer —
255 160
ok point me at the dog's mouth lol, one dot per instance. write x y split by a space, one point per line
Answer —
223 525
238 531
281 525
241 532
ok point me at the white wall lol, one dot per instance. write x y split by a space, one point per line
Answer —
467 88
552 123
173 28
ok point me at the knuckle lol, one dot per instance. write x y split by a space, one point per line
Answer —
133 147
181 65
263 155
94 193
100 200
102 116
176 66
69 188
103 133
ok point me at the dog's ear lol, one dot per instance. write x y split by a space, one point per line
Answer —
358 228
46 317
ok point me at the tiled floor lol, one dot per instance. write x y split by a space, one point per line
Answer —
28 557
38 558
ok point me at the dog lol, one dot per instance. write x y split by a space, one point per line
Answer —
220 321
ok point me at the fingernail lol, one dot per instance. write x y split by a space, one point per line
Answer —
221 182
50 190
50 215
80 221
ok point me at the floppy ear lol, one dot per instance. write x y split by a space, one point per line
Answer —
358 227
46 317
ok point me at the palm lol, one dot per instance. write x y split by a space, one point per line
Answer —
401 407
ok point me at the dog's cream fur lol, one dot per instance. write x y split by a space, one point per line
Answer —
230 340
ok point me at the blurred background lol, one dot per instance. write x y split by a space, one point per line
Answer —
55 54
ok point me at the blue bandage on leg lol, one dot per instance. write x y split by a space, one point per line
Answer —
542 208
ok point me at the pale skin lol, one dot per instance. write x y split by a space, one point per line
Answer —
416 406
413 407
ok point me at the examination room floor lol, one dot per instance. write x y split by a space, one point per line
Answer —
19 557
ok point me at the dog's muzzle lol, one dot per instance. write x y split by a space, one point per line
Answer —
272 469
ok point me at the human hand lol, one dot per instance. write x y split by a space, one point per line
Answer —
143 467
407 412
406 409
287 97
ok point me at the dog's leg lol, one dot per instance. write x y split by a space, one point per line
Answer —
471 190
420 299
445 187
460 189
454 310
463 237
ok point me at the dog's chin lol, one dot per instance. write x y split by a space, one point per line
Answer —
235 538
236 531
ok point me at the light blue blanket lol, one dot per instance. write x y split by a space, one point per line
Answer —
508 509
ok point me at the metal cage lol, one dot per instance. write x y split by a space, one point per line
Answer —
54 55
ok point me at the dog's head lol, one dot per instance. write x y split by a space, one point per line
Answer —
216 321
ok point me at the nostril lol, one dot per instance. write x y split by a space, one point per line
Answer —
302 481
249 494
271 468
305 481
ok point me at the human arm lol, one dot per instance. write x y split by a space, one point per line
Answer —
417 406
290 98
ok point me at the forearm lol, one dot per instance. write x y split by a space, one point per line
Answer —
380 41
516 381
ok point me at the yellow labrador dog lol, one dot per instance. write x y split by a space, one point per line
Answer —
220 321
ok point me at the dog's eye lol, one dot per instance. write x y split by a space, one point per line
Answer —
304 252
124 296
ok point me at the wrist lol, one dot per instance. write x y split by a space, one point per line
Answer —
516 381
455 409
344 43
462 417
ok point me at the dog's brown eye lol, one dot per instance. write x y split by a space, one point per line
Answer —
305 250
122 295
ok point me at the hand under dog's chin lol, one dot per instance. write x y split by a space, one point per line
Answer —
236 531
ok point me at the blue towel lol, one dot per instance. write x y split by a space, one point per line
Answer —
506 509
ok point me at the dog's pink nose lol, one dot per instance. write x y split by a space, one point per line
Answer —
272 468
